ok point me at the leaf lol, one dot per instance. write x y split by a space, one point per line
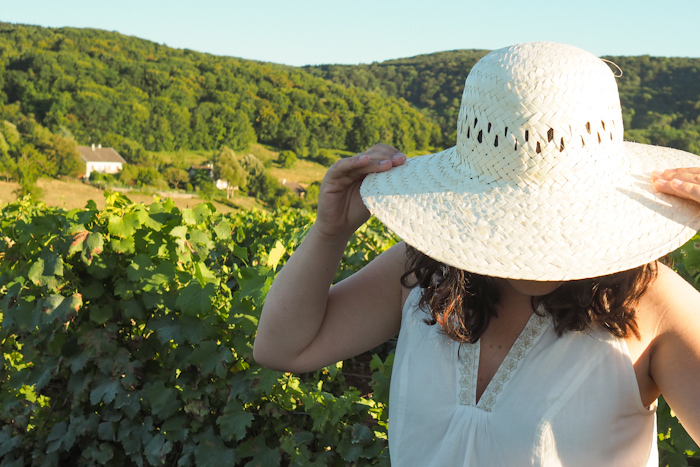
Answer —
164 400
166 329
361 434
104 391
116 199
139 267
234 422
258 450
211 452
275 255
179 232
157 449
105 431
93 245
129 403
188 217
50 304
77 244
381 377
101 314
204 275
206 357
61 437
202 212
45 271
123 245
201 241
7 441
195 329
254 282
350 451
104 454
195 300
59 308
93 289
263 379
223 230
123 226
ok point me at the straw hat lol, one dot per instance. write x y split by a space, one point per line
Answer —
540 185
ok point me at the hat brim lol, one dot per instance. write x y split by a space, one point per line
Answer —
540 233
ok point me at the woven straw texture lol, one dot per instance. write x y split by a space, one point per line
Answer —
541 185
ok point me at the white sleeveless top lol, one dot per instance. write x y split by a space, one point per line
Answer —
571 400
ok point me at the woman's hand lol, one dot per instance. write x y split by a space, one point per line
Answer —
340 207
683 182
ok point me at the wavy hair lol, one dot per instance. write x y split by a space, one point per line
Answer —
462 303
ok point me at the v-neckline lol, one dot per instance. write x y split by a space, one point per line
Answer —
469 365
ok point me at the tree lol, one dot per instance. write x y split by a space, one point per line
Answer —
175 176
64 155
228 168
7 165
287 159
255 173
27 173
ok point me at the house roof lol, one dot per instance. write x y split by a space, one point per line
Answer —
99 154
294 186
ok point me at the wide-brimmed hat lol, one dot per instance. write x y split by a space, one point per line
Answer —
540 185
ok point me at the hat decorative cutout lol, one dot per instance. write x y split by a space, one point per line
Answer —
540 185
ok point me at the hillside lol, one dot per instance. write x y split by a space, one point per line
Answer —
67 86
126 92
432 83
660 96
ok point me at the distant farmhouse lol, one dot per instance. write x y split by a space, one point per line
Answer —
99 159
209 170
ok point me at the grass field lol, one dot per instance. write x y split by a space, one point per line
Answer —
75 194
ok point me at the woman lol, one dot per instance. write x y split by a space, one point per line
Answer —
522 360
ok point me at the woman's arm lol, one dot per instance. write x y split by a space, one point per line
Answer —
305 324
675 351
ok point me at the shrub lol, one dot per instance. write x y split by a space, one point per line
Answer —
326 158
287 159
127 340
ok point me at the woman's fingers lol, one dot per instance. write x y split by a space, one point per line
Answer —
340 207
688 174
683 182
378 158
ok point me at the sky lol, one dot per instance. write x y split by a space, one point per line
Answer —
312 32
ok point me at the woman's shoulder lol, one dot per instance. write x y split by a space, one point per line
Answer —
669 302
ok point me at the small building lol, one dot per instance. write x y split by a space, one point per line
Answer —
99 159
209 170
206 168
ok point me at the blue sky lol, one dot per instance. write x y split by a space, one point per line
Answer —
363 31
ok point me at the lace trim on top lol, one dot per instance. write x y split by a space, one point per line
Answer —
469 365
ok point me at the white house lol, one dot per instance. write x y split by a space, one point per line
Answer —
209 169
99 159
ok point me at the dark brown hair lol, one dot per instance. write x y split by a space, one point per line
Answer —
463 303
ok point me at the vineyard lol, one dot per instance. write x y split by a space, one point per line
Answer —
127 334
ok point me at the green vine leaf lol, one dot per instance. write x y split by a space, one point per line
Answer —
92 246
164 400
234 422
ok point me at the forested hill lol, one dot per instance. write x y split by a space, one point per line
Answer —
92 86
660 96
432 83
104 87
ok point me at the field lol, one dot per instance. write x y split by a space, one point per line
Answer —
75 194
